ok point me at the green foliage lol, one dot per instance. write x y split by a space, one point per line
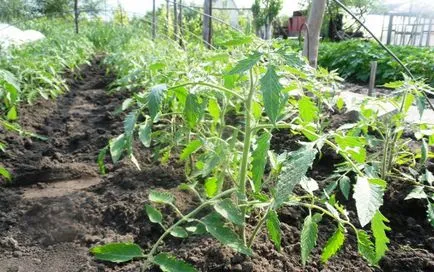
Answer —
271 92
154 215
309 235
334 243
379 229
228 210
352 60
273 227
259 156
117 252
369 198
169 263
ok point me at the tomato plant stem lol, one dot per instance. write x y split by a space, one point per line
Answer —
246 149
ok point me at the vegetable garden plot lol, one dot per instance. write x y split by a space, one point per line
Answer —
247 148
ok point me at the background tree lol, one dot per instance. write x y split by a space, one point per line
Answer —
264 13
314 23
12 9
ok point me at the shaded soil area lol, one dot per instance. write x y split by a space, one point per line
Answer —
59 206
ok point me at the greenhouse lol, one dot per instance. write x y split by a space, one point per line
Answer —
216 135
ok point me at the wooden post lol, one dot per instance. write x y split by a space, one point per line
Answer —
428 36
371 91
314 23
175 20
76 14
180 23
389 30
154 21
167 17
207 22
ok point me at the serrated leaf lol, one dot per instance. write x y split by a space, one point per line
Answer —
214 224
259 156
229 211
154 215
345 186
340 103
155 98
192 147
421 104
307 109
271 93
117 146
309 184
369 198
416 193
127 103
309 235
211 186
117 252
179 232
161 197
273 227
145 132
409 98
168 263
366 247
430 213
354 146
429 177
246 64
129 123
379 229
193 110
293 170
334 243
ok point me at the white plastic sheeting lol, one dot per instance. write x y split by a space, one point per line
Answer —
11 35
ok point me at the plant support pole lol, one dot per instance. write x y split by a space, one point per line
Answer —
314 24
372 78
207 23
76 15
153 21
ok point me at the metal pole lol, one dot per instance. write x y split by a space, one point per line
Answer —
389 30
175 20
180 22
167 17
372 78
207 22
153 21
76 15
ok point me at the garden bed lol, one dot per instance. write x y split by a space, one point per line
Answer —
59 206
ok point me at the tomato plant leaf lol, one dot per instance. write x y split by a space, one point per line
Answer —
12 114
155 98
179 232
100 160
117 252
145 132
430 213
293 170
354 146
168 263
214 109
161 197
259 156
211 186
271 93
309 235
369 198
192 147
5 174
307 109
229 211
117 146
416 193
366 247
345 186
214 224
379 229
273 227
246 64
193 110
154 215
334 243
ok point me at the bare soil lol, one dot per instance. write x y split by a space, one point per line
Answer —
59 206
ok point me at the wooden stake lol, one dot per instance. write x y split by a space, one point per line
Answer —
371 91
154 21
76 15
207 22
